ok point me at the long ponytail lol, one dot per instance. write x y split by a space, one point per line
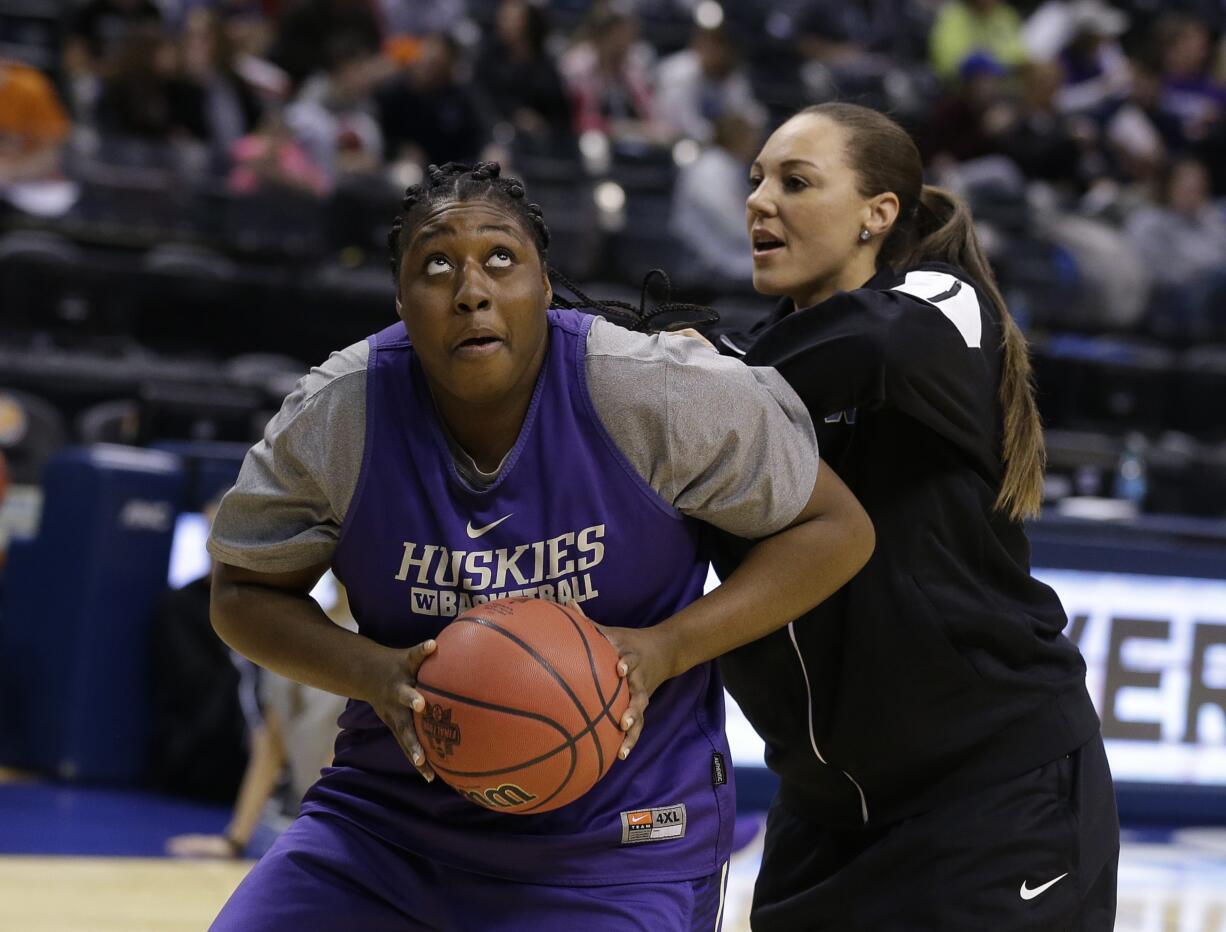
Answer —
946 233
935 226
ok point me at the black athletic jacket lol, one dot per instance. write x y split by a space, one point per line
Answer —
941 667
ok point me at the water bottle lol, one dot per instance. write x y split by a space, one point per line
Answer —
1130 479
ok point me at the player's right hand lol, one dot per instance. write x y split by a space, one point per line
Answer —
398 699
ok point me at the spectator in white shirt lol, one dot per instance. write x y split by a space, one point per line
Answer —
708 212
701 83
1182 238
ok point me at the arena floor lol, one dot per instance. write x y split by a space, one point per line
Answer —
89 860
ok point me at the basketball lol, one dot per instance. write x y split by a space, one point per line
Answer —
522 708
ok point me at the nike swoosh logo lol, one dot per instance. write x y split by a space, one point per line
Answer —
475 532
1028 894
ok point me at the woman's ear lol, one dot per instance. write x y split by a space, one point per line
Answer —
882 212
548 286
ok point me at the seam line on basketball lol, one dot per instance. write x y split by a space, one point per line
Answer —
591 661
569 742
591 665
534 654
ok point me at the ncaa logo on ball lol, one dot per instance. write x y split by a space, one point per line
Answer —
442 733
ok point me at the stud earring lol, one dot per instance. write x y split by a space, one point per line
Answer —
864 236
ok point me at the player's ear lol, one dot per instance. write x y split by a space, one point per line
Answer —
548 285
882 212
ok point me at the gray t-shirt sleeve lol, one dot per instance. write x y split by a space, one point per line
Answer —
293 491
726 443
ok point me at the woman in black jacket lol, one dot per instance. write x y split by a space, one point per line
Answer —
941 763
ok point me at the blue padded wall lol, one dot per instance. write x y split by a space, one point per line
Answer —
77 606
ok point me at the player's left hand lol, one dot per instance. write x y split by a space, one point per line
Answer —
646 661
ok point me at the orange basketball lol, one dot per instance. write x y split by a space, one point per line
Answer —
523 702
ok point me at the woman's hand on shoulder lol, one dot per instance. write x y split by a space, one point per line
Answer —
694 334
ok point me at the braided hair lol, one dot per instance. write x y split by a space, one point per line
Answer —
457 182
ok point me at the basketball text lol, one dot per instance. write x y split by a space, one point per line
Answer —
448 582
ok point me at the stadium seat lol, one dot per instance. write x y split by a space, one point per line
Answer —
177 410
210 468
1101 382
275 374
185 260
645 242
1202 386
142 203
115 421
566 199
1171 484
37 270
274 223
1081 463
188 295
359 214
1039 281
77 606
1207 482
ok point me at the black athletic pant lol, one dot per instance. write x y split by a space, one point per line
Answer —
1038 852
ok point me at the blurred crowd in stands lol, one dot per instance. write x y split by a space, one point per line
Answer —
222 156
1102 123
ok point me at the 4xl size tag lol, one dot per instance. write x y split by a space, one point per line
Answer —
660 824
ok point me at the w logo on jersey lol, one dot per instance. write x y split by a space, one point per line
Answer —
849 416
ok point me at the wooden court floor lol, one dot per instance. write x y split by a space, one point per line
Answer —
74 894
61 869
1167 886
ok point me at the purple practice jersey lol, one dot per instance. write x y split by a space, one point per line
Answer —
568 518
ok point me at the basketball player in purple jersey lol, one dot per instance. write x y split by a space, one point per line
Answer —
489 447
